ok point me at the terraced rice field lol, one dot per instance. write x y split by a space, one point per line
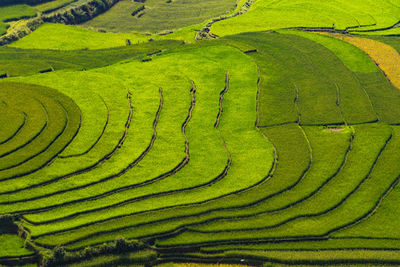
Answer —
155 15
275 142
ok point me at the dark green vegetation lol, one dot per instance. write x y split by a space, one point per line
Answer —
322 179
273 147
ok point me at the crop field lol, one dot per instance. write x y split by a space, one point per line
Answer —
155 15
200 133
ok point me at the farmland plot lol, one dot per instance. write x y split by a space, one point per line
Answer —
276 147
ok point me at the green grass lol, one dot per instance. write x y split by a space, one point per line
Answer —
53 5
14 12
23 67
321 257
71 85
66 37
169 128
34 123
168 150
12 246
3 28
384 96
268 15
352 57
233 147
78 59
56 122
306 223
117 260
11 123
312 79
296 166
159 15
328 156
314 245
96 104
383 223
28 156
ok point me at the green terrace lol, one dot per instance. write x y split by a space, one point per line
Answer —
264 145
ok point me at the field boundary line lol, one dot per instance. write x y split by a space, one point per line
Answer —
315 214
258 95
223 174
163 176
34 137
296 103
268 211
86 169
48 145
134 163
218 178
272 170
152 222
97 140
17 131
221 99
299 238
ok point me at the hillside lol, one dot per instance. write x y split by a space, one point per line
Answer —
167 133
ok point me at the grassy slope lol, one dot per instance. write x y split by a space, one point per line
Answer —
110 236
302 219
157 14
70 84
267 15
12 246
14 12
10 123
313 245
237 151
352 57
385 56
125 259
283 179
358 257
384 102
56 36
34 123
169 150
65 37
78 59
23 67
52 5
261 16
383 224
383 96
322 74
32 155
